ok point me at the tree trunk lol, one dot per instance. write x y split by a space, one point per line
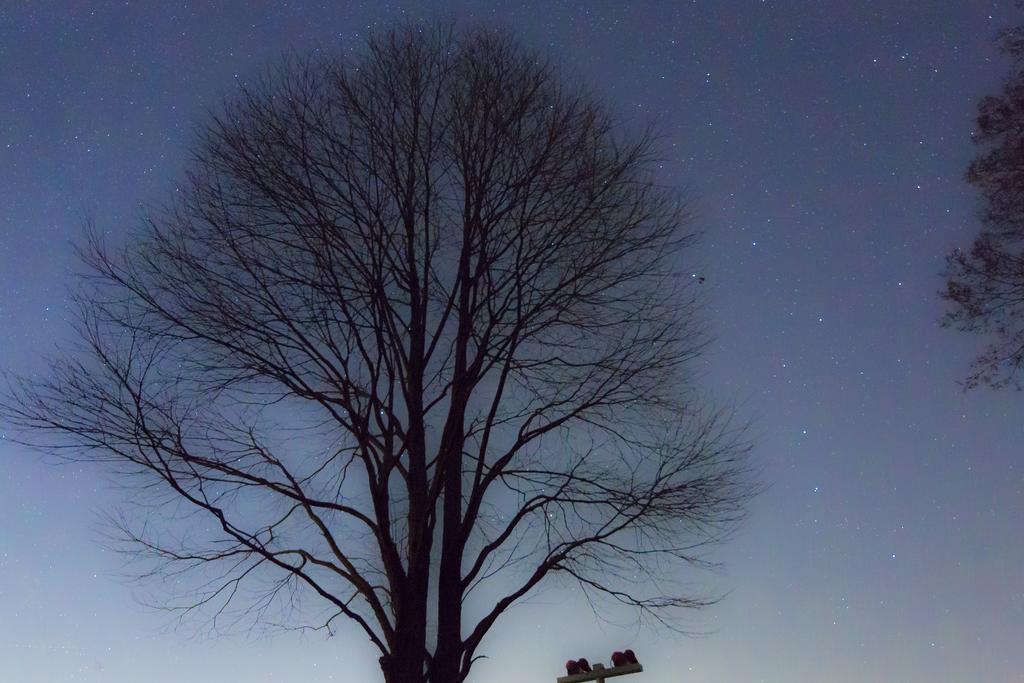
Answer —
444 667
405 664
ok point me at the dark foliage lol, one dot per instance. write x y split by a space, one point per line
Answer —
985 284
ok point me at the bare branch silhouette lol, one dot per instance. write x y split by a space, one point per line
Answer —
413 328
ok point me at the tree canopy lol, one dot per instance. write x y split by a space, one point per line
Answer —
985 283
413 329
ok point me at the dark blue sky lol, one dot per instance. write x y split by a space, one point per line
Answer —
824 144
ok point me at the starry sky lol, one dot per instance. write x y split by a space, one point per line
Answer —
824 144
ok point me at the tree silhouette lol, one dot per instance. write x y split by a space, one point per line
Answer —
413 328
985 284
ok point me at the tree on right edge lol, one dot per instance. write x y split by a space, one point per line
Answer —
985 283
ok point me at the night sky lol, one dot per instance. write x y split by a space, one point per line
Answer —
824 144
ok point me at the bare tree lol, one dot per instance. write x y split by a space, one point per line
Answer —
414 327
985 284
